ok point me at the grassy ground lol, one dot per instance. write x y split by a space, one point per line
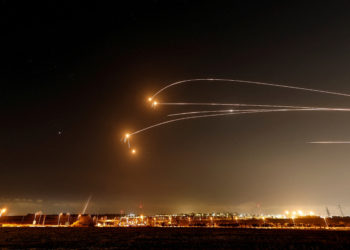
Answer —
190 238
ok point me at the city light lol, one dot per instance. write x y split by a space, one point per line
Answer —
293 221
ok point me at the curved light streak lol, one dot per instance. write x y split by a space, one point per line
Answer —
205 112
228 104
249 82
256 110
235 113
329 142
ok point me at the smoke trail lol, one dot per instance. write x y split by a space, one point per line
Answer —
86 204
250 82
235 113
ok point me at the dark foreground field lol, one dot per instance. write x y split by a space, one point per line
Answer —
200 238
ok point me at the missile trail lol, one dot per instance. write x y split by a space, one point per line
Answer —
250 108
248 82
205 112
329 142
227 104
175 120
235 113
220 111
255 110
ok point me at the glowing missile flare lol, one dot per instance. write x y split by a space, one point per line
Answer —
155 103
150 99
126 138
133 151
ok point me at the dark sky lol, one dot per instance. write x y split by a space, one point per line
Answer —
75 77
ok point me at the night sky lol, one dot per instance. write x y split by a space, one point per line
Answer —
75 77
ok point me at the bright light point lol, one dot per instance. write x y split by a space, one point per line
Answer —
127 135
155 103
294 213
286 212
3 210
150 99
312 213
300 212
133 151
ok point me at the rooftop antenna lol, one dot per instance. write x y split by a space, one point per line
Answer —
341 210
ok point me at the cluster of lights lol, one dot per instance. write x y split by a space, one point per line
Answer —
127 135
154 103
300 213
132 220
